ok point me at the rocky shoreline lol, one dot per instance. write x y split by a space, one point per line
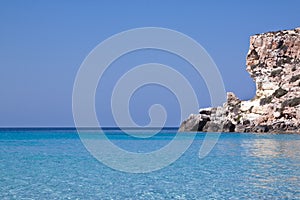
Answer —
273 61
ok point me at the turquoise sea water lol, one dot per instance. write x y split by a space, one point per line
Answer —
54 164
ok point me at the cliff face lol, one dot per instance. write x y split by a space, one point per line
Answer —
273 61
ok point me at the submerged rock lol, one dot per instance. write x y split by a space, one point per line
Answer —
273 61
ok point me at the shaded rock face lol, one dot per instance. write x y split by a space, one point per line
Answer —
273 61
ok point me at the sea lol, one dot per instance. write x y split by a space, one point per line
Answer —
54 163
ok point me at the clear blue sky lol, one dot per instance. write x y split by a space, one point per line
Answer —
42 44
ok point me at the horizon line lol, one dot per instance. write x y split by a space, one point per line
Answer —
73 127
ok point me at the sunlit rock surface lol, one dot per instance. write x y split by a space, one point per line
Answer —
273 61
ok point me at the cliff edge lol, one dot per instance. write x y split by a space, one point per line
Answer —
273 61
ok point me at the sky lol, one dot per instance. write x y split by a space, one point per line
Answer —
43 44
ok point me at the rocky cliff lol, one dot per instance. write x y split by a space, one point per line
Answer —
273 61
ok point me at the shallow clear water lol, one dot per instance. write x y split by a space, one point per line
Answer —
53 164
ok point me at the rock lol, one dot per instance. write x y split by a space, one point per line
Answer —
191 124
261 129
280 92
247 105
276 72
295 78
205 112
265 100
228 127
277 114
298 114
273 61
269 86
201 124
260 110
240 128
232 99
213 127
291 102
